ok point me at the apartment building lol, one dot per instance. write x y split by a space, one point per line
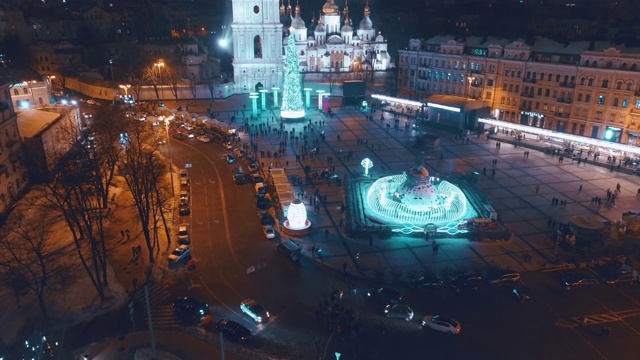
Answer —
582 88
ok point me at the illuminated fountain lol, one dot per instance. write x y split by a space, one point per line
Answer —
297 222
415 200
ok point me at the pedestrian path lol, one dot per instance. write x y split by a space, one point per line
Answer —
160 304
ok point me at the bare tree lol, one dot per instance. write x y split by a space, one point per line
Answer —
25 250
143 170
193 87
151 75
80 192
174 80
136 83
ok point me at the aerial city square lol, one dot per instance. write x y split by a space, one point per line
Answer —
319 179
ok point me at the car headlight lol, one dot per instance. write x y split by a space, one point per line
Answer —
267 314
259 318
424 323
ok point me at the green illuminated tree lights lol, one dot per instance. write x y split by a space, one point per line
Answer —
292 106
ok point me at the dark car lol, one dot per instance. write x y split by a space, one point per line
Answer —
385 295
573 281
427 283
618 277
467 281
190 310
184 209
255 178
502 276
233 330
265 218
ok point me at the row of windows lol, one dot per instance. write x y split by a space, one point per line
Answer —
16 91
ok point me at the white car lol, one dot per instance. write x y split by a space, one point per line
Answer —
228 146
269 231
255 310
441 323
184 196
183 235
204 139
399 311
253 168
180 253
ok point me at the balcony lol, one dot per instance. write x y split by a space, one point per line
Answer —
529 80
567 85
565 100
562 115
527 95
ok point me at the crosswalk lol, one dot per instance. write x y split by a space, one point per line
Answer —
161 308
594 319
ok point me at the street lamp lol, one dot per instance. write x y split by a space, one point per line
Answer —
160 65
111 68
166 126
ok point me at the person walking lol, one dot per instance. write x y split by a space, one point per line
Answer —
121 234
326 234
128 233
580 188
537 188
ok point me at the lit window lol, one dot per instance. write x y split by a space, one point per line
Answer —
625 103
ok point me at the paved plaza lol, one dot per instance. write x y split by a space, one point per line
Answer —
511 191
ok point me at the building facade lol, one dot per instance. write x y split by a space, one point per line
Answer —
257 45
584 89
330 46
13 175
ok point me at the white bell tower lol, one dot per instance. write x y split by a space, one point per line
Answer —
257 45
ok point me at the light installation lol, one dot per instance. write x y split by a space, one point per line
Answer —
292 106
562 136
367 164
416 199
297 216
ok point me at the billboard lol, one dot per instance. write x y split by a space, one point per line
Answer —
353 88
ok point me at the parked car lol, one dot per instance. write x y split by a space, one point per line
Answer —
188 309
255 178
427 283
184 209
230 159
385 295
184 196
399 311
467 281
233 330
253 167
290 249
183 235
500 276
578 280
255 310
441 323
239 152
228 145
269 231
618 277
203 138
265 218
180 253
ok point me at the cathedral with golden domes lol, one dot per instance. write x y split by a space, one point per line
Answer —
330 45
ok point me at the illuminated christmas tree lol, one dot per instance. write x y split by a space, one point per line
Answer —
292 106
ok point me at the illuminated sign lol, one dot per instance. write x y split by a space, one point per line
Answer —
528 113
443 107
563 136
396 100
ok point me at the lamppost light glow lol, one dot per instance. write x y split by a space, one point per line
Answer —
366 164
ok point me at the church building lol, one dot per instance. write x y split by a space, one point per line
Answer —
329 46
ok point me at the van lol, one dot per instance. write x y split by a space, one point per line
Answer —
290 249
238 171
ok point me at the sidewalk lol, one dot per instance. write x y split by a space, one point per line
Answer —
169 346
